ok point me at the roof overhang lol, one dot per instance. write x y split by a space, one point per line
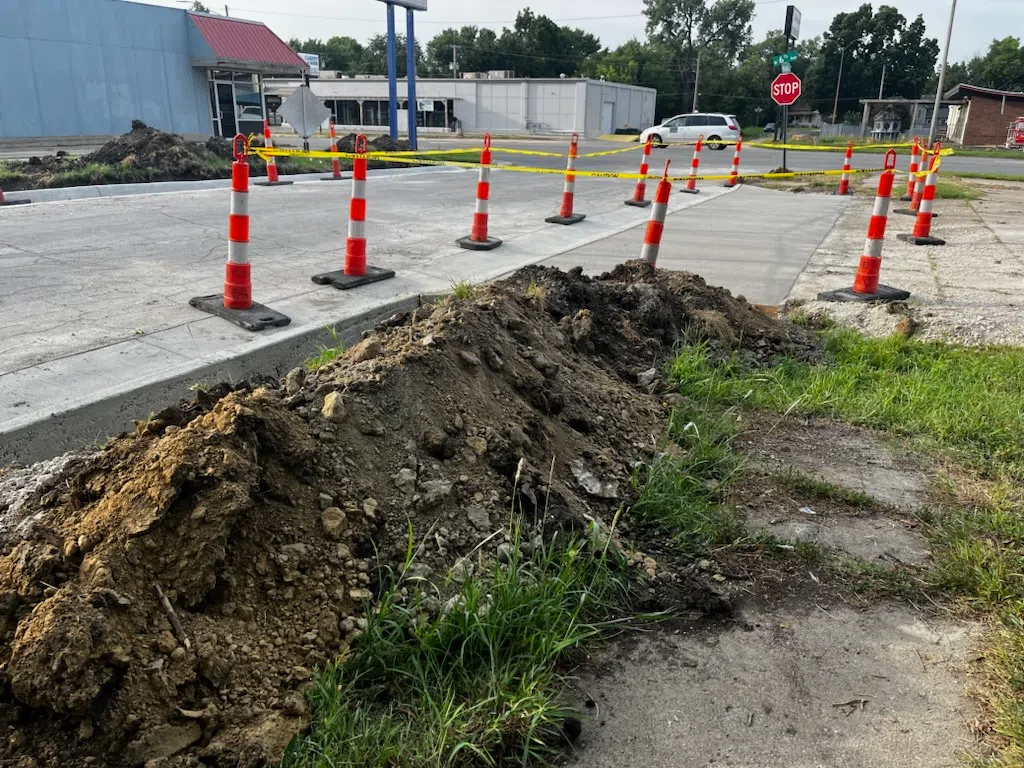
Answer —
217 42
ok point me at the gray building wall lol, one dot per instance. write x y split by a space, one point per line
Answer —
90 67
518 105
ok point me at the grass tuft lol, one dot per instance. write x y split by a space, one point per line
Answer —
475 682
325 353
951 190
816 488
463 289
682 487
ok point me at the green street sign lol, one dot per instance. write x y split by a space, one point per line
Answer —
784 58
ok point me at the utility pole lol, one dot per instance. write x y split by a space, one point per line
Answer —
455 62
696 83
942 76
835 103
881 85
226 11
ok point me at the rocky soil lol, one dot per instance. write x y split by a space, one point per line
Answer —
166 600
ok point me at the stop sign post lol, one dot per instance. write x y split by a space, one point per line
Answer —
786 89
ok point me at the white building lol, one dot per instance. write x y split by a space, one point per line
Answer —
477 105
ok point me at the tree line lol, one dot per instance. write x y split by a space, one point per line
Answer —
877 50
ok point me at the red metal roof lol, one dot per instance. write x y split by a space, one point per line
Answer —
236 40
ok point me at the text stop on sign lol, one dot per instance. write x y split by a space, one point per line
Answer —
786 89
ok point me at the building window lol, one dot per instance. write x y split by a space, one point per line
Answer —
236 102
345 111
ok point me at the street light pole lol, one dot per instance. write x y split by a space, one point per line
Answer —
942 76
835 103
696 83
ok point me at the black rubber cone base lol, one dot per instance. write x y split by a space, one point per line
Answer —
277 183
638 203
344 282
256 318
686 191
921 240
576 218
847 193
333 178
906 198
470 244
882 293
15 202
908 212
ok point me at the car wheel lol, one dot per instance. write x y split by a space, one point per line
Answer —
715 142
656 140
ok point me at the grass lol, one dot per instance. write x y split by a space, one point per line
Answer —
985 175
816 488
951 190
682 487
966 400
463 289
963 403
326 353
476 683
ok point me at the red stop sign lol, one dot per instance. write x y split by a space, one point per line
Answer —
786 89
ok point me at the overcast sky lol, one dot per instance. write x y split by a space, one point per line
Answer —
613 21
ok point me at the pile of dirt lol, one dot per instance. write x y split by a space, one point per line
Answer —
379 144
164 153
168 598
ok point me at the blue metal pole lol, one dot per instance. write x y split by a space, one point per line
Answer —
410 72
392 75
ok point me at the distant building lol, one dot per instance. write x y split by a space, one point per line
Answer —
86 68
802 116
981 116
486 101
915 116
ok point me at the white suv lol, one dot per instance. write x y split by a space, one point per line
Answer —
717 129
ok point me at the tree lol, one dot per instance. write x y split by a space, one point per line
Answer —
872 41
344 54
538 47
1002 67
690 28
375 56
198 7
477 51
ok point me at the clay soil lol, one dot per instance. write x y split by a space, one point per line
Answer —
269 516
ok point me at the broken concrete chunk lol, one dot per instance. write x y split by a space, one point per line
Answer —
590 483
334 408
479 518
367 349
294 380
469 358
334 522
405 480
162 741
646 378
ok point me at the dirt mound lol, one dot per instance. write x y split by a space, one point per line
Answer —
172 594
379 144
151 148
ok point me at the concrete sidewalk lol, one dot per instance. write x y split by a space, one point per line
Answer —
754 242
95 293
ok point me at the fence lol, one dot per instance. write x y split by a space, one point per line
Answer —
839 129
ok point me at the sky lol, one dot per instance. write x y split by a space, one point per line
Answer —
613 21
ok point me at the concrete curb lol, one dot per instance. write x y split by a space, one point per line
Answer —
98 413
90 422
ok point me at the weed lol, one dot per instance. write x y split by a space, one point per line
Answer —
682 487
463 289
326 354
950 190
476 682
986 175
816 488
537 293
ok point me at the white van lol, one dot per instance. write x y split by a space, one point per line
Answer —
717 129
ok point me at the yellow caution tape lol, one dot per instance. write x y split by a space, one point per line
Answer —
397 158
839 148
613 151
534 152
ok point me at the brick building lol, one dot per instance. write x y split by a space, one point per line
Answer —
983 115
